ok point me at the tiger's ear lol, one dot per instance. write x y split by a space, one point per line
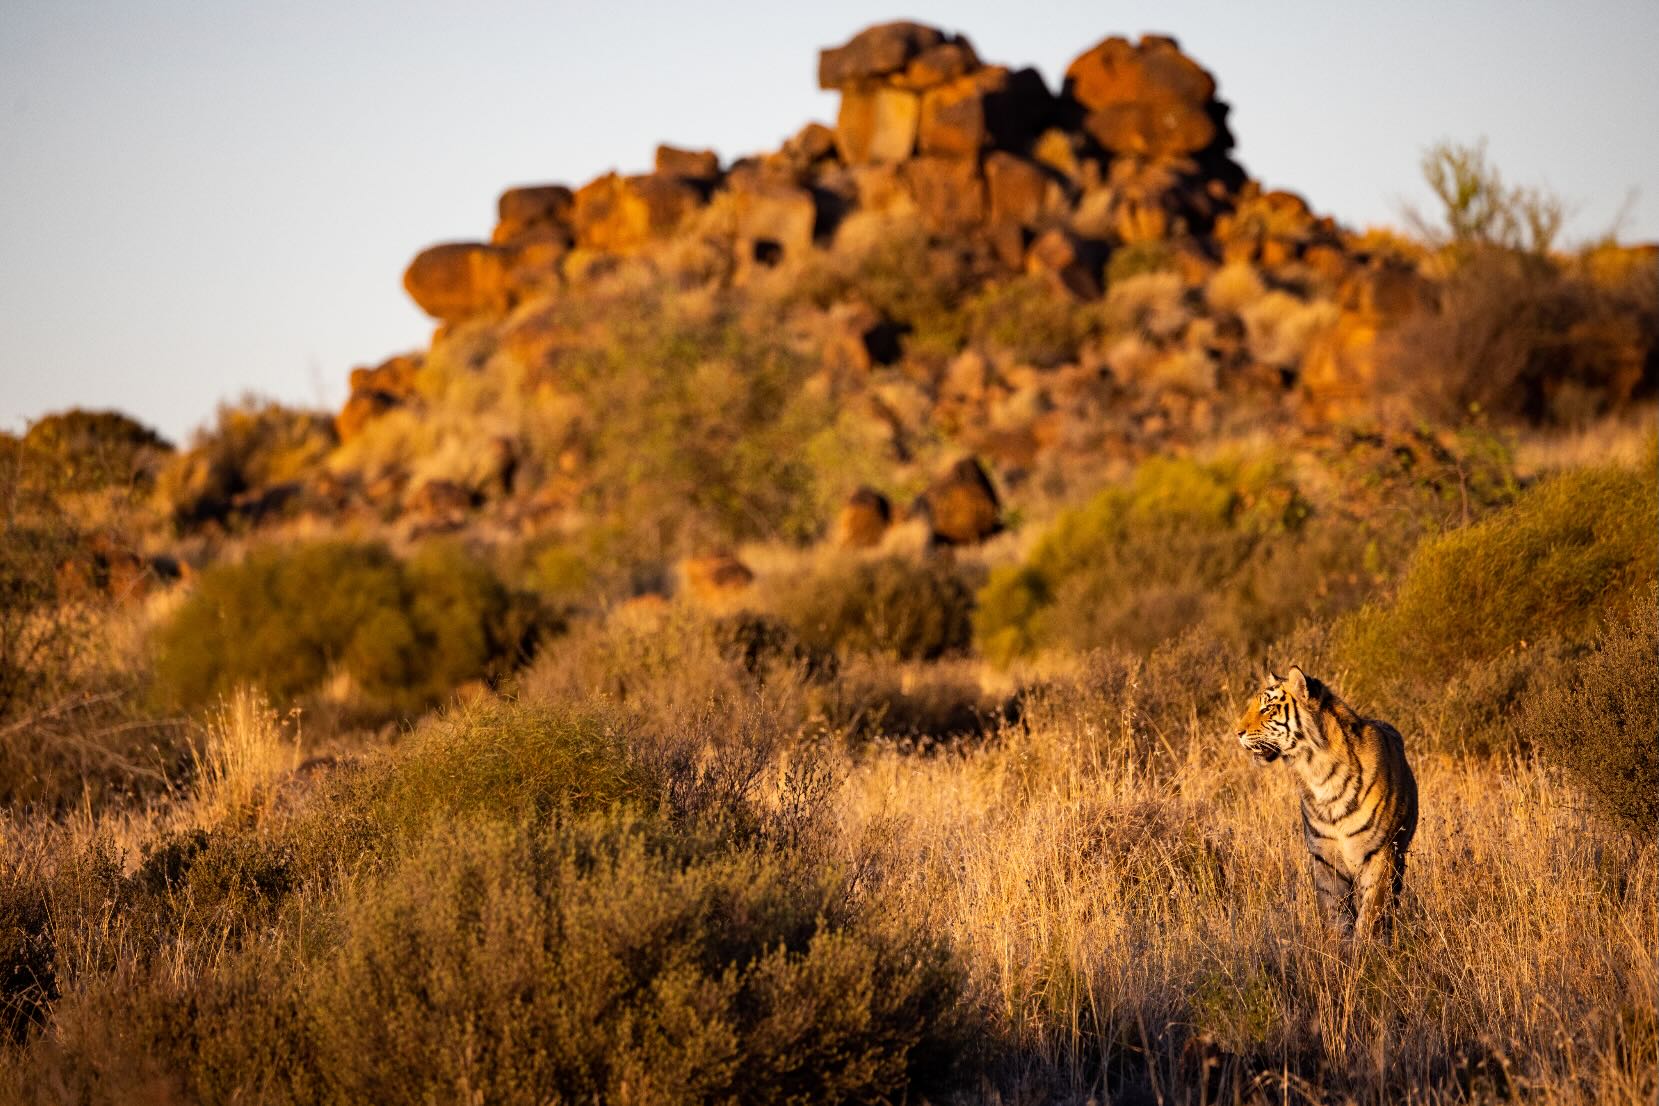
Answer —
1273 678
1297 683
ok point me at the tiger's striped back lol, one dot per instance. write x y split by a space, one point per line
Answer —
1359 798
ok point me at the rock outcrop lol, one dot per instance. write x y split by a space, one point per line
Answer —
1115 283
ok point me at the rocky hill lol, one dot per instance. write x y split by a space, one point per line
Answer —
969 263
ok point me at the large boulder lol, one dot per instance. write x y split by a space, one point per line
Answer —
696 165
949 192
374 391
961 507
774 220
988 107
937 65
877 125
456 280
716 578
875 52
534 212
1146 99
863 520
619 214
1018 189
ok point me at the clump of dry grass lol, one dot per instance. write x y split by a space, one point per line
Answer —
1134 910
246 751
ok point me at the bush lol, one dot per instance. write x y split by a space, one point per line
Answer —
517 905
1600 719
1570 549
891 607
915 283
90 449
693 429
1138 259
1026 318
289 619
1515 336
257 445
598 965
1144 562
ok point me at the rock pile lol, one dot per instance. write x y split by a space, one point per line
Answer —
1127 287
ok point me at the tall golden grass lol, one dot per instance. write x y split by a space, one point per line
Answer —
1125 898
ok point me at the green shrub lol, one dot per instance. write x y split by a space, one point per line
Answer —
255 445
695 427
891 607
1026 318
1144 562
289 619
911 280
1600 719
89 449
1138 259
1553 563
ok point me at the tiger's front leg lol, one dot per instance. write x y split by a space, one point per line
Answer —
1335 894
1376 889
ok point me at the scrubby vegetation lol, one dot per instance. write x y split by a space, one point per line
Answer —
402 632
1599 719
1499 607
890 607
557 722
594 907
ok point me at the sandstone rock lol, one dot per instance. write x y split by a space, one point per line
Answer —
812 143
620 214
393 378
881 190
456 280
361 408
953 120
698 165
440 505
1058 150
863 520
949 192
1150 130
935 66
1264 227
1339 368
1114 71
1147 99
990 107
962 507
1018 189
875 52
773 221
877 124
1076 264
853 337
534 266
716 577
537 211
966 377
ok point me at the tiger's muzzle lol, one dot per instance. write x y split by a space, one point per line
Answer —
1265 752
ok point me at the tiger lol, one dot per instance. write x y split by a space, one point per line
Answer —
1359 798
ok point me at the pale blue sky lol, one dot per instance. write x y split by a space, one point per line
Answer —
202 199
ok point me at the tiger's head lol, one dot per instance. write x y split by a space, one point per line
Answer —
1281 718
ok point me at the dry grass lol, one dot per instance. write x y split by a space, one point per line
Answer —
1624 439
1128 903
247 750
